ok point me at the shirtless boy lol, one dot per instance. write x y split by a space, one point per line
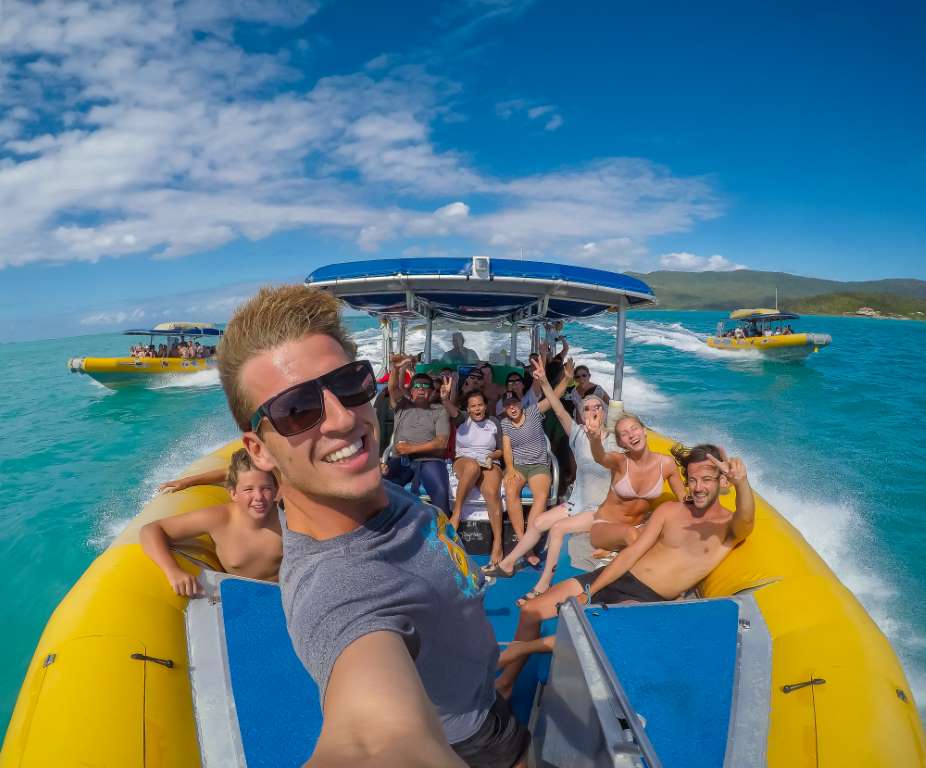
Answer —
678 547
246 530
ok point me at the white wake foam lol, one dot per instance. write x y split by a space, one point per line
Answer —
198 380
675 336
842 535
115 513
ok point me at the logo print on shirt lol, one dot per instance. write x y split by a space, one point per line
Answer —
440 531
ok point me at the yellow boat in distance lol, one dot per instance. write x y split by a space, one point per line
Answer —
763 330
115 372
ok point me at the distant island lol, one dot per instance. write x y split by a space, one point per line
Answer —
742 288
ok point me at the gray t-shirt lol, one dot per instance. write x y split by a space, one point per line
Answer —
592 479
420 425
403 571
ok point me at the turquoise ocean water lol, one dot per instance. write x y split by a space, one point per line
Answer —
836 444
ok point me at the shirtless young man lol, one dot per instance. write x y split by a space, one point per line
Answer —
246 530
678 547
371 577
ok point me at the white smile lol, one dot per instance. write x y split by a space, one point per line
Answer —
344 453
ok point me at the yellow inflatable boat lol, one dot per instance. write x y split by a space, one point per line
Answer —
115 372
763 330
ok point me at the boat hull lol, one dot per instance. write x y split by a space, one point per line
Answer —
116 372
863 714
793 346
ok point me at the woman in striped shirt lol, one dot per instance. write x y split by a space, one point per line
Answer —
524 447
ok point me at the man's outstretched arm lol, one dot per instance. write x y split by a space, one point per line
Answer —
629 556
744 516
377 714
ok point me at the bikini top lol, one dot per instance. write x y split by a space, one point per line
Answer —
625 490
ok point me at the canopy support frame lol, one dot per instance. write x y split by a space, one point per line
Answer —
620 333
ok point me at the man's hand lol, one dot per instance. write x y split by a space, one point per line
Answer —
539 371
733 469
184 584
446 387
403 448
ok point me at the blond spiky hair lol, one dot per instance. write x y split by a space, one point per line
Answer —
275 316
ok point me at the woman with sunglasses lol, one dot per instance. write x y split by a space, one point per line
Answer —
420 438
585 387
578 513
515 383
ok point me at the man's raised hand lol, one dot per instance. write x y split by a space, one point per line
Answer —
733 469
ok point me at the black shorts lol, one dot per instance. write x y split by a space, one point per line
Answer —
627 587
500 741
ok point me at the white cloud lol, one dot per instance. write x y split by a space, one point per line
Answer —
508 109
125 131
113 318
689 262
453 211
553 123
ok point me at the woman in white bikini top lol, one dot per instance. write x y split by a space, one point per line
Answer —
626 509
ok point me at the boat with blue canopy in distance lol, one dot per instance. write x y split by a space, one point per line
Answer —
178 351
770 661
766 331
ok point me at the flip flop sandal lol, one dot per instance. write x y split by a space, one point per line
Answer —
496 571
527 597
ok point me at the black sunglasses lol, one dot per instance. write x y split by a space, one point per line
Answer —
302 406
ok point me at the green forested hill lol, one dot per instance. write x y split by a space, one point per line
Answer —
750 288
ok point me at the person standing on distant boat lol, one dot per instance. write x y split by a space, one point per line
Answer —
681 544
365 563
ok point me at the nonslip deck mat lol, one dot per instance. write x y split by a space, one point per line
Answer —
677 663
279 713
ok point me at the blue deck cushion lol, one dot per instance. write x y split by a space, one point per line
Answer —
676 662
279 713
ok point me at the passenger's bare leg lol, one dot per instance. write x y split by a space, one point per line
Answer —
513 485
490 486
518 649
467 472
612 536
555 540
535 528
540 490
532 616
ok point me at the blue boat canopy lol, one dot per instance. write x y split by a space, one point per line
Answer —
479 289
177 329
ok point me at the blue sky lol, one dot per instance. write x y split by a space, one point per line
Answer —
164 159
